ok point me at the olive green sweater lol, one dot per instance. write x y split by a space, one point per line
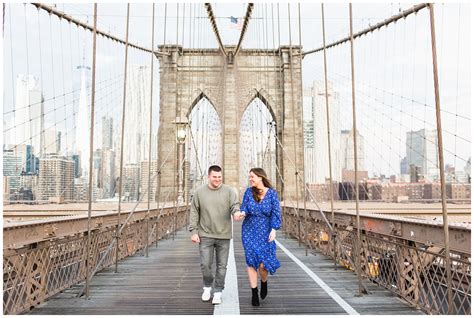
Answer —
212 210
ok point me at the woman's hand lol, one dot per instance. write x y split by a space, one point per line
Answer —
272 235
239 216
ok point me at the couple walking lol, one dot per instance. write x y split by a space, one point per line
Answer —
212 208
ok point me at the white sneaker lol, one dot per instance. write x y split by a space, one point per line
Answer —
217 299
206 294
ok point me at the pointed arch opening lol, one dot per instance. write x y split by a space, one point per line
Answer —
204 147
257 141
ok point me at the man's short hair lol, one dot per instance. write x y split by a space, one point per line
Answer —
215 168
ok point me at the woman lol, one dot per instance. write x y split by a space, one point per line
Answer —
261 209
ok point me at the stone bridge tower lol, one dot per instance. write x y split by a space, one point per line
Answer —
230 84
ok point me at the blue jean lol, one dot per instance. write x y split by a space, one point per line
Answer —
206 249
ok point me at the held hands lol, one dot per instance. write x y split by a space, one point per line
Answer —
272 235
195 238
238 216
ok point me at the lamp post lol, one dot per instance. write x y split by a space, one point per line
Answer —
181 126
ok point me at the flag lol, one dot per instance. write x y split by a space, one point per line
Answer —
236 23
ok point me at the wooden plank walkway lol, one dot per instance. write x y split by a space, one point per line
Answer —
169 282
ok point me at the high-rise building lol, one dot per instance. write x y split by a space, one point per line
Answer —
316 137
12 168
308 117
29 181
28 159
131 182
107 132
56 178
29 113
144 179
467 170
137 114
404 167
97 168
108 173
6 190
83 123
347 150
422 152
77 165
52 141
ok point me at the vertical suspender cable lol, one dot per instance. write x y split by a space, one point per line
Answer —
302 129
91 149
441 163
279 158
294 128
177 112
354 129
150 128
121 140
331 192
158 182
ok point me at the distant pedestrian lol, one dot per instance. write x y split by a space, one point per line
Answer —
261 210
212 208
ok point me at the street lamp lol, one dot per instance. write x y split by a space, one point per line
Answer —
181 127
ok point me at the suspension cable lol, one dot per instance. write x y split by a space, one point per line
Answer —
212 19
62 15
386 22
248 14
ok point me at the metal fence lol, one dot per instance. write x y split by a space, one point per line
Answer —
413 270
33 273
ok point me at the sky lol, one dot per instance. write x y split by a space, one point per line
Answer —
393 65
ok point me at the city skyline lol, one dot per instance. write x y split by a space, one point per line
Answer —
55 97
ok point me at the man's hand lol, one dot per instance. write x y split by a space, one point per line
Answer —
195 238
272 235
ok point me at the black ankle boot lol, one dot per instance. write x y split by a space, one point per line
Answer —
263 289
255 301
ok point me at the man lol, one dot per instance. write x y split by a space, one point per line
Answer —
212 207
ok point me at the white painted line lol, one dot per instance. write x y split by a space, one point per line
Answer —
230 295
318 280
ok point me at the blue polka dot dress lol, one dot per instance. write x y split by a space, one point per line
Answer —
260 219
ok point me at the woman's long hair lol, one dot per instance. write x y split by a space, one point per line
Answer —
262 174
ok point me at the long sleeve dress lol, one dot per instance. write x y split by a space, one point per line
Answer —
260 219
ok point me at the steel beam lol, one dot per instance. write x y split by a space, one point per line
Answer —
19 234
425 232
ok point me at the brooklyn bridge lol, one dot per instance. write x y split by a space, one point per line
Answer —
359 114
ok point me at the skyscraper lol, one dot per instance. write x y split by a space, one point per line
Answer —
137 114
316 137
308 117
12 167
83 123
347 150
144 179
131 182
29 113
56 178
52 141
108 173
107 132
422 152
28 160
